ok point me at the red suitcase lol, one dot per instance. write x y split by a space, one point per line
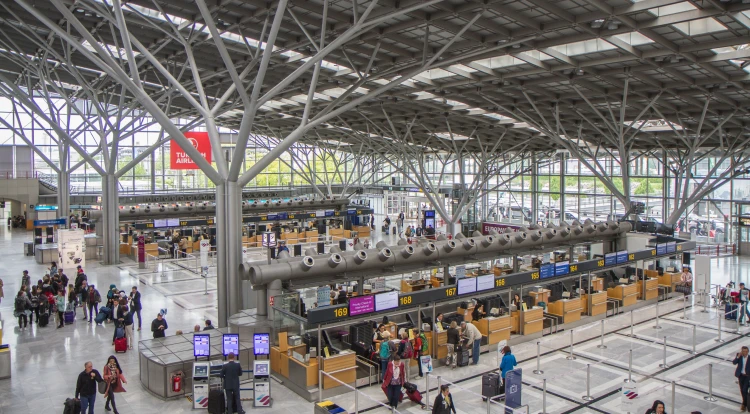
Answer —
121 344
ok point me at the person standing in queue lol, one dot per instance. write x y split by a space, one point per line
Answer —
135 304
454 339
231 372
93 299
158 326
741 372
385 352
443 403
394 380
508 362
86 387
657 408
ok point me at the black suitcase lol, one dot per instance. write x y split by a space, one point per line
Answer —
492 386
43 320
730 311
216 402
72 406
463 357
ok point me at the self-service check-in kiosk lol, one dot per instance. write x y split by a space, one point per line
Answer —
262 384
200 384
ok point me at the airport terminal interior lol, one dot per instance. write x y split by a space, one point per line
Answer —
467 206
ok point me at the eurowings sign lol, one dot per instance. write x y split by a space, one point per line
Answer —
179 160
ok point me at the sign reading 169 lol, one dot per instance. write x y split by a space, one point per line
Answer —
341 312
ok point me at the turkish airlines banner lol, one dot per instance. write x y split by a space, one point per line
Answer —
179 160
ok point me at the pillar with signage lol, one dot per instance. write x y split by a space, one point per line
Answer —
141 252
269 242
71 248
513 387
205 248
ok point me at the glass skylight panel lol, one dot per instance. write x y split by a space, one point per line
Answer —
500 62
670 9
454 137
654 125
584 46
700 27
634 39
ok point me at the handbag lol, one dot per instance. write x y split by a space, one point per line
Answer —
102 387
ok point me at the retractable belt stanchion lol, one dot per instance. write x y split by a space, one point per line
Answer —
718 330
630 367
664 364
738 320
684 304
538 370
601 340
588 396
673 400
631 324
571 357
427 387
693 351
544 396
710 397
657 326
705 305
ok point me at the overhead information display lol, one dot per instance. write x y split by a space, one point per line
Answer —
388 300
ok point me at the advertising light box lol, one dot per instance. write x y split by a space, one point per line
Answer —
385 301
467 285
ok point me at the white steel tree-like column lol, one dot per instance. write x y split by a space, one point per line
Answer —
247 88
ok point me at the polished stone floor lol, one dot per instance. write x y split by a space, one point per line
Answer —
46 361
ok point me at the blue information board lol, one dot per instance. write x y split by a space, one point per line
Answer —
610 259
622 256
547 270
562 268
513 385
661 249
671 247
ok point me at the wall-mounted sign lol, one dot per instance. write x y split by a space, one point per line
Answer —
744 221
45 208
180 160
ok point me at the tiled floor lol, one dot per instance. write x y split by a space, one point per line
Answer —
46 361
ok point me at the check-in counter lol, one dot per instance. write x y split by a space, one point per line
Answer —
652 289
46 253
466 312
442 340
626 294
515 322
670 279
531 321
595 303
345 367
540 296
362 231
569 309
495 329
410 286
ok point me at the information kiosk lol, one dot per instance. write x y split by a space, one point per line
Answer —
262 383
200 384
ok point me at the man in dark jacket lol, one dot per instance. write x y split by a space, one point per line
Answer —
231 373
742 372
208 326
86 387
158 326
135 304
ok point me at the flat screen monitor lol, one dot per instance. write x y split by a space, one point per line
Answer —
610 259
467 285
429 213
260 368
173 222
230 344
562 268
261 344
359 305
159 224
385 301
661 249
671 247
485 282
622 256
429 222
547 270
201 345
326 213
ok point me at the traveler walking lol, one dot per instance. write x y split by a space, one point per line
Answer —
83 297
443 403
393 380
86 387
742 372
114 378
508 362
21 309
93 299
231 372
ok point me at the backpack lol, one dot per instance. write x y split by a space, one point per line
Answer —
385 350
34 301
20 304
425 344
408 350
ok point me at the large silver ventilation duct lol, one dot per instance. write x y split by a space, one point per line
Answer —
199 209
408 257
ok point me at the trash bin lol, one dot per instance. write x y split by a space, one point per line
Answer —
28 248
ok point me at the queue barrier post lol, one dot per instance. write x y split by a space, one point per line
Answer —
718 330
489 405
684 307
703 299
657 326
544 396
356 401
631 324
427 387
630 367
538 370
601 339
710 397
738 320
693 351
664 363
571 357
588 396
673 395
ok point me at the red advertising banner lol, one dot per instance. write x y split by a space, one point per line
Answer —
141 249
179 160
498 227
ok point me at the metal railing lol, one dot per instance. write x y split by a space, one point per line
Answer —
718 249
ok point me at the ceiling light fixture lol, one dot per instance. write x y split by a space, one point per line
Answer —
613 25
579 72
597 23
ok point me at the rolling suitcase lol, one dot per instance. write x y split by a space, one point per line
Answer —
43 320
121 344
72 406
100 317
70 317
463 357
216 402
730 311
491 385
